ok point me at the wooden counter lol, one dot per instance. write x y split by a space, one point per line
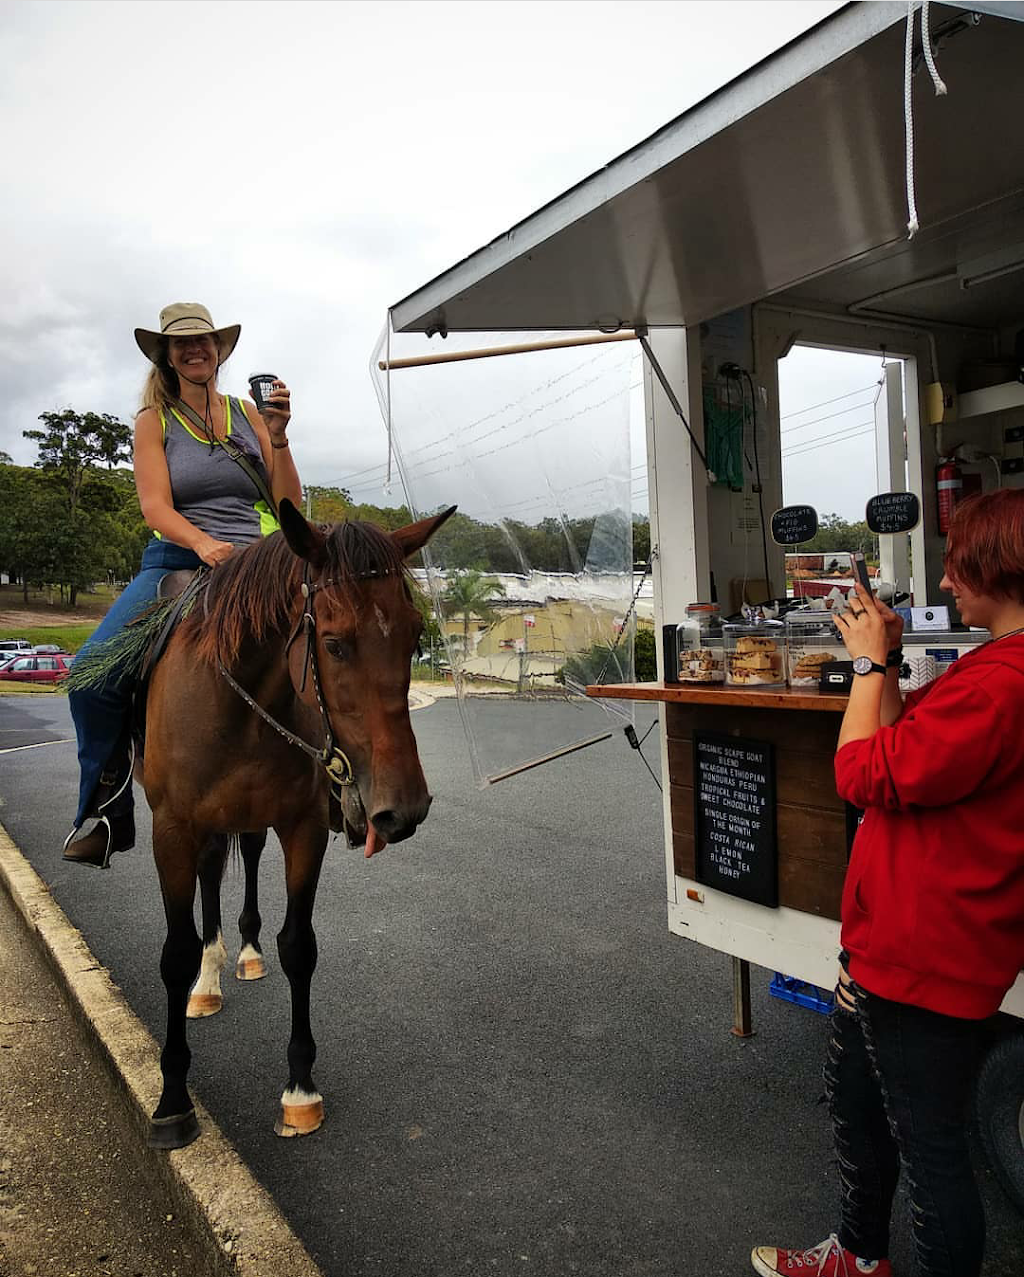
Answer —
694 694
811 817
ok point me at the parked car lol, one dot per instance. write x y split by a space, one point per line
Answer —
15 645
49 649
36 669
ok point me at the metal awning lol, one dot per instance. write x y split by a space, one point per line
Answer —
793 170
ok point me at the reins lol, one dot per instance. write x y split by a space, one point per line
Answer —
331 757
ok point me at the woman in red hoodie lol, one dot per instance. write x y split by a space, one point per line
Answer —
933 908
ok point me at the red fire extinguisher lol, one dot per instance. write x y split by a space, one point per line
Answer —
949 482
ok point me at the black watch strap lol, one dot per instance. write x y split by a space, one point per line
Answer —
894 658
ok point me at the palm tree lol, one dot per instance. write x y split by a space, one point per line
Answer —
467 594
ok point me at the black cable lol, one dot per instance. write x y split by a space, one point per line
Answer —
757 473
630 733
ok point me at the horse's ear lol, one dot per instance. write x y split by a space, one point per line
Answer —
305 541
415 536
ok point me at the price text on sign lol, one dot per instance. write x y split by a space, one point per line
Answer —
892 512
734 816
794 524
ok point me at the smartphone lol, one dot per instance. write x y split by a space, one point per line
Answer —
861 568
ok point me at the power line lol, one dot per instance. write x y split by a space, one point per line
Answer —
828 417
825 402
840 437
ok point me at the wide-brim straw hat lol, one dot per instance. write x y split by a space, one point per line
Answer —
186 319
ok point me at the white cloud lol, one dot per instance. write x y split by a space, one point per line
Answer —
298 167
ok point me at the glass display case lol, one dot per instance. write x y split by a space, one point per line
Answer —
811 643
755 653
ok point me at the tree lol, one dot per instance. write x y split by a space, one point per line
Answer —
72 444
327 505
83 541
836 534
468 594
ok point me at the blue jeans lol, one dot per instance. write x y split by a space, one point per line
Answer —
102 715
898 1080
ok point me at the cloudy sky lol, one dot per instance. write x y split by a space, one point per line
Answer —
298 167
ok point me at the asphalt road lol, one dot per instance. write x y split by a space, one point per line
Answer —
523 1071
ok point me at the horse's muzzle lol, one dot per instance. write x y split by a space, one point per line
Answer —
393 826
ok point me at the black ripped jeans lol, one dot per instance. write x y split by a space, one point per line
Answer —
898 1080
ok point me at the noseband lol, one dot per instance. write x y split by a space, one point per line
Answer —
331 757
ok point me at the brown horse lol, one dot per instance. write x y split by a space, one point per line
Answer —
282 702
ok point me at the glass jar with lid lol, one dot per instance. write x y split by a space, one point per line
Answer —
755 653
811 643
700 645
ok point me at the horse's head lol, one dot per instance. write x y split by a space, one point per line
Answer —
365 630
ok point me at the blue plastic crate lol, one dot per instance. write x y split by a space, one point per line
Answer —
790 989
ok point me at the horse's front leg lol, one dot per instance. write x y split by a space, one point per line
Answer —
206 997
250 964
177 854
302 1106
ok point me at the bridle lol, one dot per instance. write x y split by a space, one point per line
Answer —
331 757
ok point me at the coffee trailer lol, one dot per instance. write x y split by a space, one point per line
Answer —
775 213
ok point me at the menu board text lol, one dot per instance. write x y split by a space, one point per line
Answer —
734 816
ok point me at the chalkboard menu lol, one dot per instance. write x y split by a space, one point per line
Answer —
734 817
794 524
892 512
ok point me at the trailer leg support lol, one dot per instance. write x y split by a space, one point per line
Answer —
741 1025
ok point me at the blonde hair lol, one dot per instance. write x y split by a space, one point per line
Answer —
161 386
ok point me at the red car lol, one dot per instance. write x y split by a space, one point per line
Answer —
36 669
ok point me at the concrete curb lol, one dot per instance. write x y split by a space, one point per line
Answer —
231 1215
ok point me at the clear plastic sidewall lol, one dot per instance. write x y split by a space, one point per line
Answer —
533 578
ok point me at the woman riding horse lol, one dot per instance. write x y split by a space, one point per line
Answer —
201 501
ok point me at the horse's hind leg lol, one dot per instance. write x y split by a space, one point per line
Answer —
250 964
302 1106
174 1122
206 997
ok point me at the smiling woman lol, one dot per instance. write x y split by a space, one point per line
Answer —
209 471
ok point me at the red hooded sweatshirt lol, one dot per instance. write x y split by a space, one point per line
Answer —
933 906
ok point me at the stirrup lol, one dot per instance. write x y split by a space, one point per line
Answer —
94 861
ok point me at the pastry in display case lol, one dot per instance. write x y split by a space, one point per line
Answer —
811 644
755 653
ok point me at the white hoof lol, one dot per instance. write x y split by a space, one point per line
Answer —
250 964
206 996
301 1114
203 1004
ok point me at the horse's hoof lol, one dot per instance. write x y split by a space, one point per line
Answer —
300 1119
250 969
173 1132
202 1004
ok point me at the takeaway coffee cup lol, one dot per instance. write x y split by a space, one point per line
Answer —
262 386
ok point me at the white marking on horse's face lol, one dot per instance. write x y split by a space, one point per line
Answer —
382 621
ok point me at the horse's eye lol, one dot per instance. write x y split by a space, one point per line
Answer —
336 648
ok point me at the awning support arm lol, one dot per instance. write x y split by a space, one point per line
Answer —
673 400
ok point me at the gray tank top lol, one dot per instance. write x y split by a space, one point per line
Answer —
207 487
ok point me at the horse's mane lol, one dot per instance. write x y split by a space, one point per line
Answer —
253 593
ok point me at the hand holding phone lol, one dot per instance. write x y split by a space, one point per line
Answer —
861 568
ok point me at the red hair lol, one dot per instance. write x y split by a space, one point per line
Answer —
985 547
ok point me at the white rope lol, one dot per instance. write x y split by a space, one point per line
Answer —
929 57
913 225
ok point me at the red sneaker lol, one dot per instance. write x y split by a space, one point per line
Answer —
827 1259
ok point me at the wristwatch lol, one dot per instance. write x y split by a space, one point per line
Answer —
865 665
894 658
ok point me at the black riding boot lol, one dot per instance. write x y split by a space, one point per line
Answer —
114 809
